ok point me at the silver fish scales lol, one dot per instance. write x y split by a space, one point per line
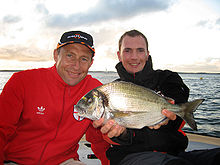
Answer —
132 106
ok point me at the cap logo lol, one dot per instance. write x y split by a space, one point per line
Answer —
78 36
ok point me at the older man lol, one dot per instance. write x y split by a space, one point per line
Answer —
38 122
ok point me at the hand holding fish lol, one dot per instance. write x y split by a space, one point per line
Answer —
111 128
170 115
132 106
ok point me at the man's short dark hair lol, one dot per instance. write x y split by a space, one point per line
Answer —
132 33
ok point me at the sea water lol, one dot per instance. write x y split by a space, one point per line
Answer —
206 86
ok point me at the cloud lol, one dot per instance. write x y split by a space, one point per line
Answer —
202 23
209 23
11 19
108 10
22 53
218 21
210 65
40 8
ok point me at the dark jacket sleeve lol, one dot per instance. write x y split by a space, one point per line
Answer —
174 87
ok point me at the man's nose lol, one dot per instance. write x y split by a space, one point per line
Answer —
76 63
134 55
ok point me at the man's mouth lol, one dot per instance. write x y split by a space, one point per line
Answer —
73 74
134 64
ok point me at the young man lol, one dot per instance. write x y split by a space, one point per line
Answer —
38 122
162 145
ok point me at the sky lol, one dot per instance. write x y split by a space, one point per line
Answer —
183 35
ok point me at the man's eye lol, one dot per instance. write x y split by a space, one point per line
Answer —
141 50
126 50
69 55
85 59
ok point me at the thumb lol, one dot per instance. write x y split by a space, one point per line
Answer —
170 115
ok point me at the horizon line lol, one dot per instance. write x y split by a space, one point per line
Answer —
17 70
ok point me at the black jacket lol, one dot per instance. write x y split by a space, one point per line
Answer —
168 138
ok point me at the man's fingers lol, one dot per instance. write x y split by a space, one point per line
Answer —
157 126
111 128
160 124
165 122
151 127
107 127
98 123
170 115
116 131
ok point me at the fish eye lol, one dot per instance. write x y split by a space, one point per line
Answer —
90 100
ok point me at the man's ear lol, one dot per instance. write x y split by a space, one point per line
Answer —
55 55
147 54
119 55
91 62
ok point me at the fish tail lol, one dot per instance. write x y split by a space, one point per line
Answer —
188 109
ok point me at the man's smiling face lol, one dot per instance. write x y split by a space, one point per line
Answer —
73 62
133 53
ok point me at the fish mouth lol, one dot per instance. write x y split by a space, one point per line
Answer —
80 111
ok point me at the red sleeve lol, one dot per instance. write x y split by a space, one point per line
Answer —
11 104
1 149
106 138
98 145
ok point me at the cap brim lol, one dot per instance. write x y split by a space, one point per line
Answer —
72 42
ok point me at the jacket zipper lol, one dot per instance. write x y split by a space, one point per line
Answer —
42 153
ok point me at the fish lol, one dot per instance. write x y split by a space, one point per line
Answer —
132 106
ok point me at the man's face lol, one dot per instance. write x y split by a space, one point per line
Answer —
133 53
73 62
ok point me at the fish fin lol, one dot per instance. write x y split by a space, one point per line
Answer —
119 114
162 120
188 109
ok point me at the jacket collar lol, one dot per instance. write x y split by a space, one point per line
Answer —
147 77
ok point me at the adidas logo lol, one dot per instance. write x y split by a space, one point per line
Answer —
40 110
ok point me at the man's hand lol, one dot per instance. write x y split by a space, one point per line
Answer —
111 128
170 115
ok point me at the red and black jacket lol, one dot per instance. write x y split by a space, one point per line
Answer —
169 138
